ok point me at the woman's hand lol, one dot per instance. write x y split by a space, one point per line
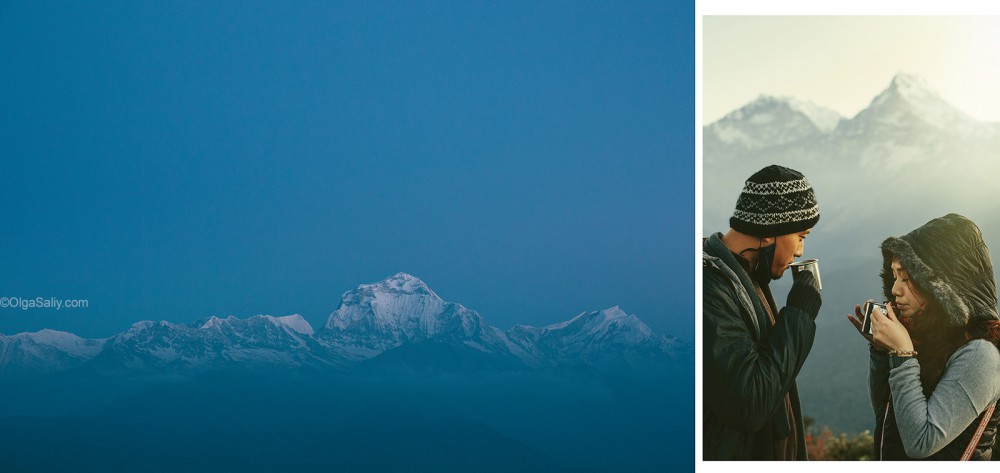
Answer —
889 332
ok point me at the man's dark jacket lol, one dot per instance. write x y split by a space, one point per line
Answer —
749 365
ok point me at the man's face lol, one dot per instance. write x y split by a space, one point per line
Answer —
787 248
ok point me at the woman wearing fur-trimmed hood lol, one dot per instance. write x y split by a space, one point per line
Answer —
934 376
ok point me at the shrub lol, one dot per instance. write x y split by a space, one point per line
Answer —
823 445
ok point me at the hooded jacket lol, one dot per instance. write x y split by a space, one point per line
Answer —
749 365
949 262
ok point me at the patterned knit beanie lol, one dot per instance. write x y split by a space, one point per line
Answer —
775 201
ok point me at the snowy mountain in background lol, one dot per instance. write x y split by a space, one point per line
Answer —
911 103
399 314
213 343
603 338
771 121
45 351
377 317
908 146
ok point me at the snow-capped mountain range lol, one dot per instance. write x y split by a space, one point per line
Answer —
909 146
908 104
753 125
371 320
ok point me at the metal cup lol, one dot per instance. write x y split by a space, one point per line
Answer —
811 265
866 310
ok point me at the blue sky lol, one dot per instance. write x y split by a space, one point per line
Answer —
175 160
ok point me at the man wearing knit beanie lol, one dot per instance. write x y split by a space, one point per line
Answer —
752 351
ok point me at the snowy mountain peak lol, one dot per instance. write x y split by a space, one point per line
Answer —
66 342
768 108
909 102
769 120
381 316
401 299
599 337
400 283
825 120
144 325
599 321
294 322
48 336
912 90
212 322
613 313
911 85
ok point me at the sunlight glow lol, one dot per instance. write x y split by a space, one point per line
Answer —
843 62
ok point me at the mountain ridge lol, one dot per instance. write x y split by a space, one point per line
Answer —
907 144
371 320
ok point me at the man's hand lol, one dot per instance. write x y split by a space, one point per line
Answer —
804 294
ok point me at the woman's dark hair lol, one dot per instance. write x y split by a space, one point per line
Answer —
935 341
988 330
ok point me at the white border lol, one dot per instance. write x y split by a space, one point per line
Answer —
698 224
794 7
848 7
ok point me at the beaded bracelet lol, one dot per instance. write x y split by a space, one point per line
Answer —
902 353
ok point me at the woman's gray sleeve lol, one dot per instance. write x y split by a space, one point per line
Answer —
969 385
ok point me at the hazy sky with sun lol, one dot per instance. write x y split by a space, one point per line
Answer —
843 62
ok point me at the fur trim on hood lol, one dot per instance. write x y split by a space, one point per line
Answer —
948 260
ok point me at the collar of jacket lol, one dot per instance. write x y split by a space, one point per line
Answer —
716 255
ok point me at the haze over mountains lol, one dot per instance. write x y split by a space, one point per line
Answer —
908 157
908 150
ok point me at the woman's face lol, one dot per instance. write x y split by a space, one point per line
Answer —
909 301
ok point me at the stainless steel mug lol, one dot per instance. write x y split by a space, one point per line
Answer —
811 265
